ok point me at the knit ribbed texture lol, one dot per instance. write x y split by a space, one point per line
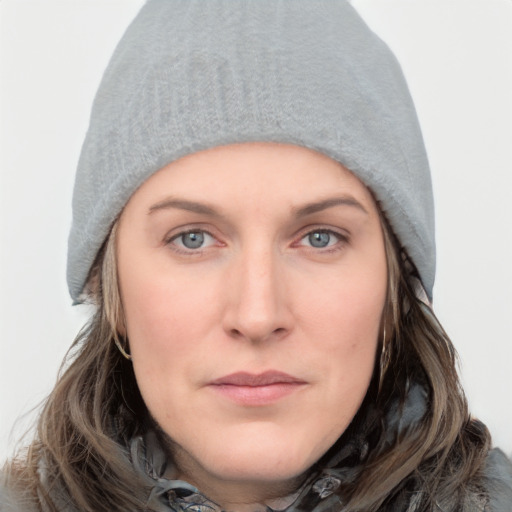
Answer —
192 74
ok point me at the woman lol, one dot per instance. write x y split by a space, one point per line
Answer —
253 218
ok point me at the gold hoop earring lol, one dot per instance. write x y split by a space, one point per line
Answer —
385 358
121 349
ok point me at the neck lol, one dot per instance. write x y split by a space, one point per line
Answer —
244 497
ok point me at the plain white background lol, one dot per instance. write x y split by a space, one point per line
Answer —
457 57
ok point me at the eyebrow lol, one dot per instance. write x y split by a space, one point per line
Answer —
303 211
183 204
319 206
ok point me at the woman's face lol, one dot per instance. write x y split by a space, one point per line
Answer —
253 279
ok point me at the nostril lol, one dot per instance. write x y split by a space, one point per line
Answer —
235 333
273 334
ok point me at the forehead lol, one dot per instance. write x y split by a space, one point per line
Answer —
253 173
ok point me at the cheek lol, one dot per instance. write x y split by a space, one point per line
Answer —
163 315
166 310
344 317
347 307
167 322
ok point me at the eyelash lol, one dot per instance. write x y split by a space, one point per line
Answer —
342 240
186 250
339 244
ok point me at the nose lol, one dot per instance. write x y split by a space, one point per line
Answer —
258 307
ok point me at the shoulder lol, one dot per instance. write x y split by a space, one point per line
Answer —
498 481
12 500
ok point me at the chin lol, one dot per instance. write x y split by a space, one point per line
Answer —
262 465
260 455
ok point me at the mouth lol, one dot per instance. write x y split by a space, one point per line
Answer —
250 389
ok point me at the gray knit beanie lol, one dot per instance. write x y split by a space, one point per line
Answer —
192 74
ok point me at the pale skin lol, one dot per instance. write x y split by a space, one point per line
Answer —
252 258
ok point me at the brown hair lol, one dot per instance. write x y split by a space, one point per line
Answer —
95 409
443 455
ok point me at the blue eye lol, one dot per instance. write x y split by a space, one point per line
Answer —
193 240
321 238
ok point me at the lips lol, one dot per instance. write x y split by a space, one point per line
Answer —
263 379
250 389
